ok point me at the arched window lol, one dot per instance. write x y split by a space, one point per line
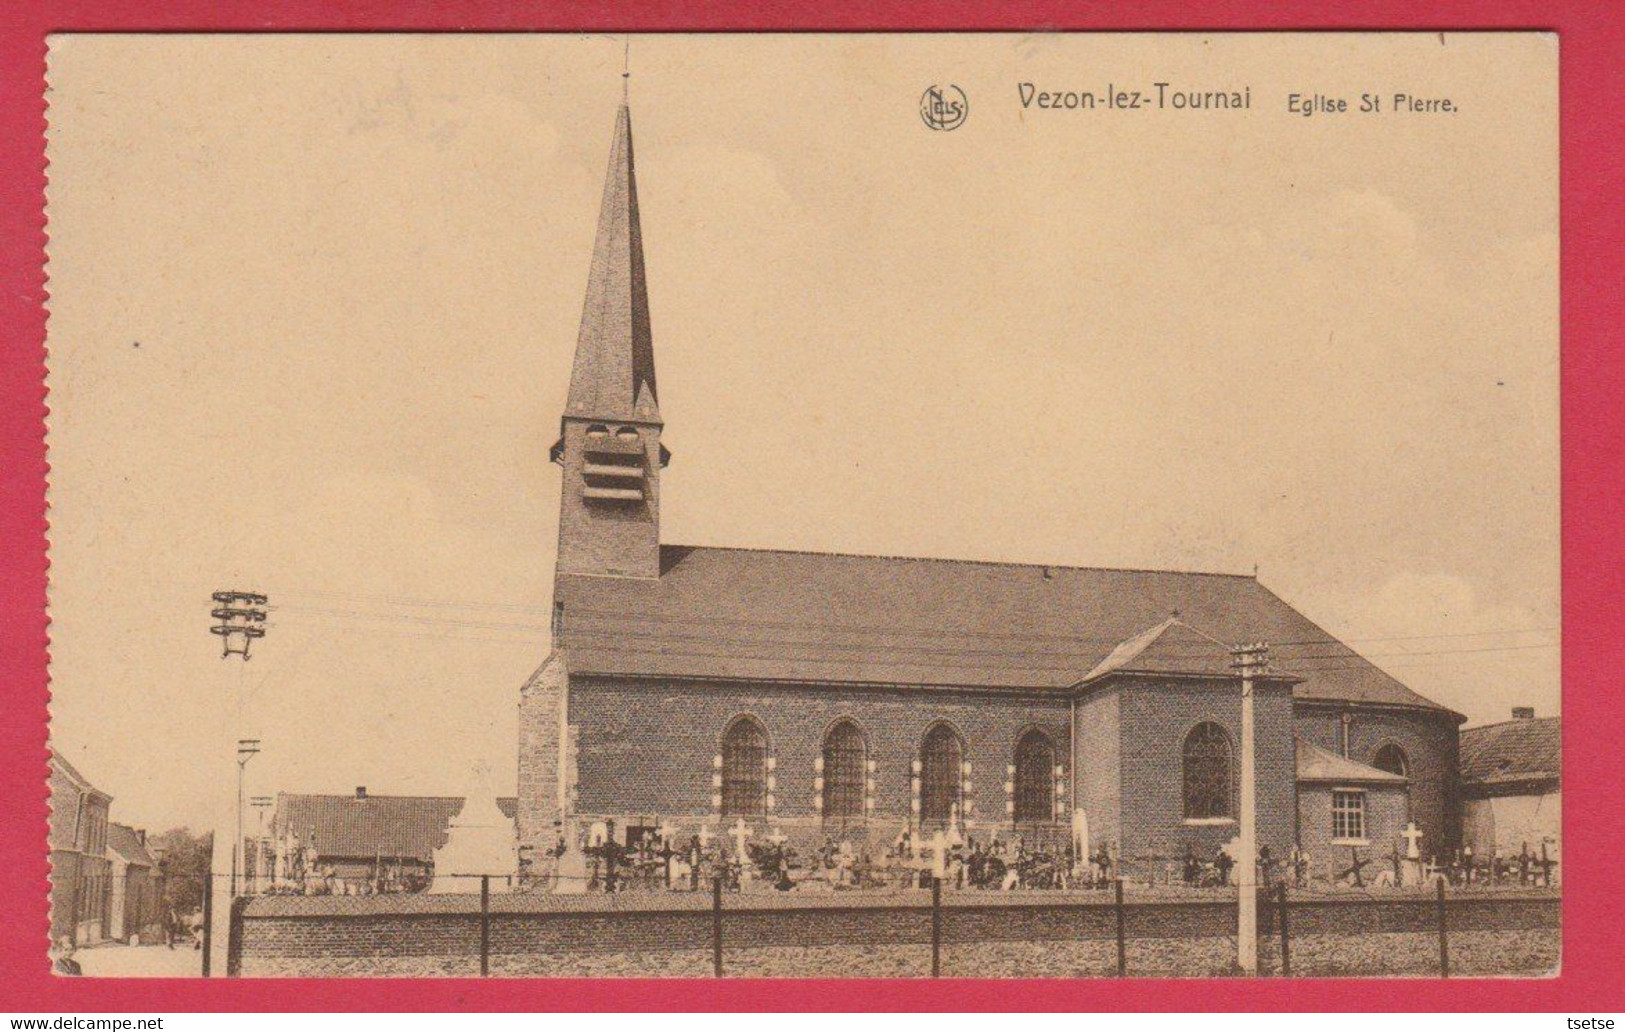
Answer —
1392 759
843 771
1207 772
744 769
1035 777
941 755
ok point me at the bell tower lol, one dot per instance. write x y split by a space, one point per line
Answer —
609 444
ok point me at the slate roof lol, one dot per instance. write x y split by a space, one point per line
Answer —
126 842
1514 750
614 373
1317 764
829 618
374 825
1171 647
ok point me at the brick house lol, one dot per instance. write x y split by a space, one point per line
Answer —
81 882
135 901
353 833
853 695
1512 787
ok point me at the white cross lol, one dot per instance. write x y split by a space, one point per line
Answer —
705 836
667 831
1410 835
778 837
741 835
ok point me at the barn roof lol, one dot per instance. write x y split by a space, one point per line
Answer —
372 825
822 617
1514 750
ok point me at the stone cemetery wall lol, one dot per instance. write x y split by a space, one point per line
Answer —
983 934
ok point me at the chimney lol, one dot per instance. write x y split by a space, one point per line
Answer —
1523 713
361 790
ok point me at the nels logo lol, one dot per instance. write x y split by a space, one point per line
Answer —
944 107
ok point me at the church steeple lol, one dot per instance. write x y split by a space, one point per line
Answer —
609 444
614 374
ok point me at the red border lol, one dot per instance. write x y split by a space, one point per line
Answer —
1593 427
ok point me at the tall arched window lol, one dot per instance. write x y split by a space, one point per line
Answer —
1392 759
1207 772
941 755
744 769
1035 777
843 771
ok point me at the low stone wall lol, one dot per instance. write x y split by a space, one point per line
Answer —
879 934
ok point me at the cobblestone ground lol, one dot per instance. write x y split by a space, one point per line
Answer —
116 960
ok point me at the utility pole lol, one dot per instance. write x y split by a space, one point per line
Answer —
239 621
1251 660
247 749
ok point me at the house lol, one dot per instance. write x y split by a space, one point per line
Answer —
135 901
81 882
353 834
1512 787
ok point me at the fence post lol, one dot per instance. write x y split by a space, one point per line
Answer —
1122 938
1444 938
485 925
936 927
208 920
1286 936
716 924
234 938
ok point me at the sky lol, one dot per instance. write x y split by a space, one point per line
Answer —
314 299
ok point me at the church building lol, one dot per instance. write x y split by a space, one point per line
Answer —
822 695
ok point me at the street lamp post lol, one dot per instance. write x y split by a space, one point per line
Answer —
238 621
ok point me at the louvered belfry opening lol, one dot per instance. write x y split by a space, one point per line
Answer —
614 470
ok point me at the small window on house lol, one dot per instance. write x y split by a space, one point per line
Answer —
1392 759
598 430
1348 815
627 433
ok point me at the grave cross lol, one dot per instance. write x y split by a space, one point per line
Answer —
741 835
1411 834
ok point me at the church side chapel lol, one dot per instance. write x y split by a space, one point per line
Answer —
730 695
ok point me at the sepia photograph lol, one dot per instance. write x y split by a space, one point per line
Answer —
1097 514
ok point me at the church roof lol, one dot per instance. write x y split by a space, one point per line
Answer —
1513 750
1171 647
1317 764
373 825
614 374
828 618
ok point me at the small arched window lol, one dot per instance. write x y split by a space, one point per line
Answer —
1392 759
1035 777
1207 772
598 430
744 769
941 756
843 772
627 433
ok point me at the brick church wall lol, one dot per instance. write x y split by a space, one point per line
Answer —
539 713
1155 720
1099 759
1430 743
648 748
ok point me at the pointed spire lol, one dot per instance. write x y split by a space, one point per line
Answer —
614 373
